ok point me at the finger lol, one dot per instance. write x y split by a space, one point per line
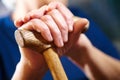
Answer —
39 13
64 11
35 13
31 15
54 30
86 26
27 17
61 23
80 25
18 22
39 26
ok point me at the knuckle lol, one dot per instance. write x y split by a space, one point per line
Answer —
45 29
69 18
55 11
64 28
34 21
70 21
57 32
47 18
37 23
32 24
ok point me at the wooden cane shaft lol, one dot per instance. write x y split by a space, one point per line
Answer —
54 64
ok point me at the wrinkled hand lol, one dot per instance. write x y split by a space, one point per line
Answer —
55 23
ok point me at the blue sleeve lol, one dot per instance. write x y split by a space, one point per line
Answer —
9 52
97 37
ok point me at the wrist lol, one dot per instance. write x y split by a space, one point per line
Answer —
80 53
25 71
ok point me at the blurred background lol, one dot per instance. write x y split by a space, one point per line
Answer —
106 13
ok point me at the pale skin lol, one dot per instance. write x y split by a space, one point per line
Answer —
66 35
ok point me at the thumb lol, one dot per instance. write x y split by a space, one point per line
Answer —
80 25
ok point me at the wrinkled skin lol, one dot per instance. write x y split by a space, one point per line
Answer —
55 23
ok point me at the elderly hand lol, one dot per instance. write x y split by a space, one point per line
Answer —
55 23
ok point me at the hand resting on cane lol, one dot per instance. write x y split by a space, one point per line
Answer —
81 51
27 55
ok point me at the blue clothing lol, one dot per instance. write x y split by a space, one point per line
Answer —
9 52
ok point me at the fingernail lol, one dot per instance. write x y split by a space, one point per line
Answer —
65 38
70 28
50 38
60 43
70 24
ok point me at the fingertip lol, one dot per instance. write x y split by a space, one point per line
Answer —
76 18
70 27
87 23
47 36
81 25
26 18
60 43
18 22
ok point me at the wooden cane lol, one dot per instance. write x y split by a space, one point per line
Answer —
35 41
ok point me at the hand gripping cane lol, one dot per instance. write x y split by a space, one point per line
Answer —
35 41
